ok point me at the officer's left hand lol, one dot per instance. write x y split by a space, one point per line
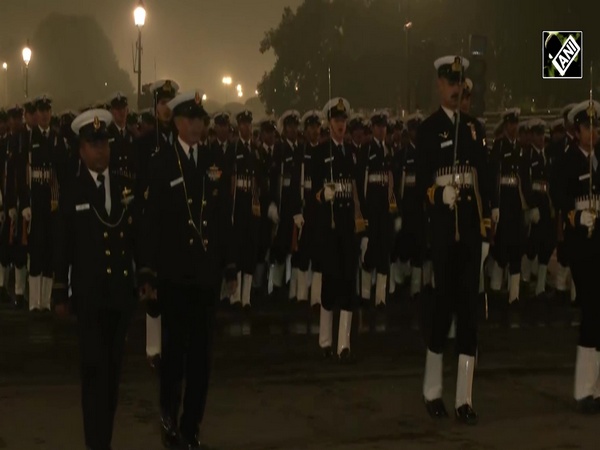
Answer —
534 215
299 220
273 213
230 287
364 244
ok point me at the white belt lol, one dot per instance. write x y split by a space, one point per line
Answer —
36 173
509 181
540 187
379 178
244 183
583 203
410 180
460 179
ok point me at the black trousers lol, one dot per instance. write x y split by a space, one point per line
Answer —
585 272
380 233
509 245
102 333
408 245
4 242
246 229
542 240
188 314
456 267
339 255
40 242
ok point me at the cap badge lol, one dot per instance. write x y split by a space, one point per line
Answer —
591 111
340 105
96 123
456 66
167 86
197 98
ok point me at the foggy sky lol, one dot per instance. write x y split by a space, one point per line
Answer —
195 42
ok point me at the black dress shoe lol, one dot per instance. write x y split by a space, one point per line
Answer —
436 408
327 353
465 414
588 405
192 444
346 357
169 434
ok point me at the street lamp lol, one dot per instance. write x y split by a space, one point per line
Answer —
26 60
238 88
407 26
5 68
240 94
227 81
139 18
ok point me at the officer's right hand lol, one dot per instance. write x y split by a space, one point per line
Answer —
449 196
27 214
587 219
273 213
329 193
12 213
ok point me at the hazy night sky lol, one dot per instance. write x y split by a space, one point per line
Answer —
195 42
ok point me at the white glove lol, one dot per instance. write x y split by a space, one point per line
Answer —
329 193
299 220
534 215
587 219
496 215
12 213
27 214
449 196
273 214
398 224
364 244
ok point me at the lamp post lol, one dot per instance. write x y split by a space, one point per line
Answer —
227 81
26 60
407 27
5 68
139 18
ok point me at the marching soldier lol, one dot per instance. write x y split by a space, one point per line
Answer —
4 202
94 236
376 192
449 161
307 254
356 129
577 191
558 151
40 171
542 236
339 219
268 128
408 248
18 142
147 122
245 213
122 161
163 91
285 195
186 234
509 161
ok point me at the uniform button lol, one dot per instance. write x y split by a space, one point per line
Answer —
108 270
105 235
121 235
125 273
191 241
107 252
204 203
204 223
469 197
189 201
205 241
190 222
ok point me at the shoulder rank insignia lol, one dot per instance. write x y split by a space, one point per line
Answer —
127 197
214 173
444 135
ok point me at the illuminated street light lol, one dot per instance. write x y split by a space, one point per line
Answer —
5 66
139 19
227 81
256 92
204 97
27 60
240 94
239 88
408 26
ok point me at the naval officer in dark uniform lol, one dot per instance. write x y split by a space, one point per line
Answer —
94 236
580 177
339 219
186 231
452 185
